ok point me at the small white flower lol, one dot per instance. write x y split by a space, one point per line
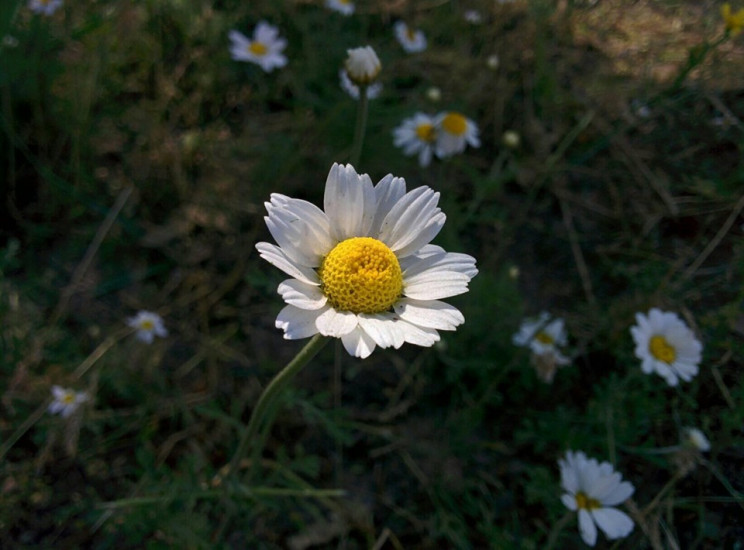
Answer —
541 334
362 65
44 7
493 62
265 49
695 438
593 489
345 7
362 269
373 90
434 94
454 132
412 40
473 16
416 136
665 345
66 401
511 139
148 326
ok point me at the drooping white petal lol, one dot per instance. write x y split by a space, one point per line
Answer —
429 313
358 343
613 522
419 336
336 323
620 493
412 222
288 233
445 262
297 323
349 202
587 528
302 295
382 329
275 256
317 233
437 286
388 192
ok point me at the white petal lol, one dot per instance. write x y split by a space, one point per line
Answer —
358 343
429 313
302 295
419 336
382 329
619 494
349 202
275 256
388 191
587 528
569 501
297 323
444 261
613 522
435 288
336 323
317 232
412 222
288 231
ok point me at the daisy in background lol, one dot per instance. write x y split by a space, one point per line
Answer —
692 437
362 269
543 336
689 453
361 68
665 345
593 490
44 7
412 40
373 90
148 325
416 136
265 49
66 401
734 21
345 7
454 133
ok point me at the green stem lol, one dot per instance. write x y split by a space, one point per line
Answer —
269 396
361 126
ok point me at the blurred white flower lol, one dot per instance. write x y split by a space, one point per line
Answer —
412 40
493 62
511 139
265 49
473 16
592 490
543 336
148 325
665 345
362 65
434 94
44 7
66 401
373 90
362 269
454 133
10 41
345 7
416 136
695 438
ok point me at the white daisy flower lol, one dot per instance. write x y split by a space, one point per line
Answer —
148 326
473 16
454 133
363 270
44 7
412 40
693 437
345 7
66 401
373 90
416 136
541 334
666 345
362 65
265 49
593 489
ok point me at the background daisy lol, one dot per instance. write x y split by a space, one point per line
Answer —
416 136
363 269
264 49
44 7
66 401
665 345
148 325
455 132
345 7
412 40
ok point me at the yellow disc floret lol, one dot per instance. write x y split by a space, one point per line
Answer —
455 124
544 338
258 48
361 275
661 349
584 502
426 132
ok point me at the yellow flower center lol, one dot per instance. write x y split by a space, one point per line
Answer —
544 338
411 34
68 398
426 132
146 325
455 124
344 2
257 48
661 349
586 503
361 275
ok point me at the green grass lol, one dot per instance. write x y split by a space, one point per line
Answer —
136 157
